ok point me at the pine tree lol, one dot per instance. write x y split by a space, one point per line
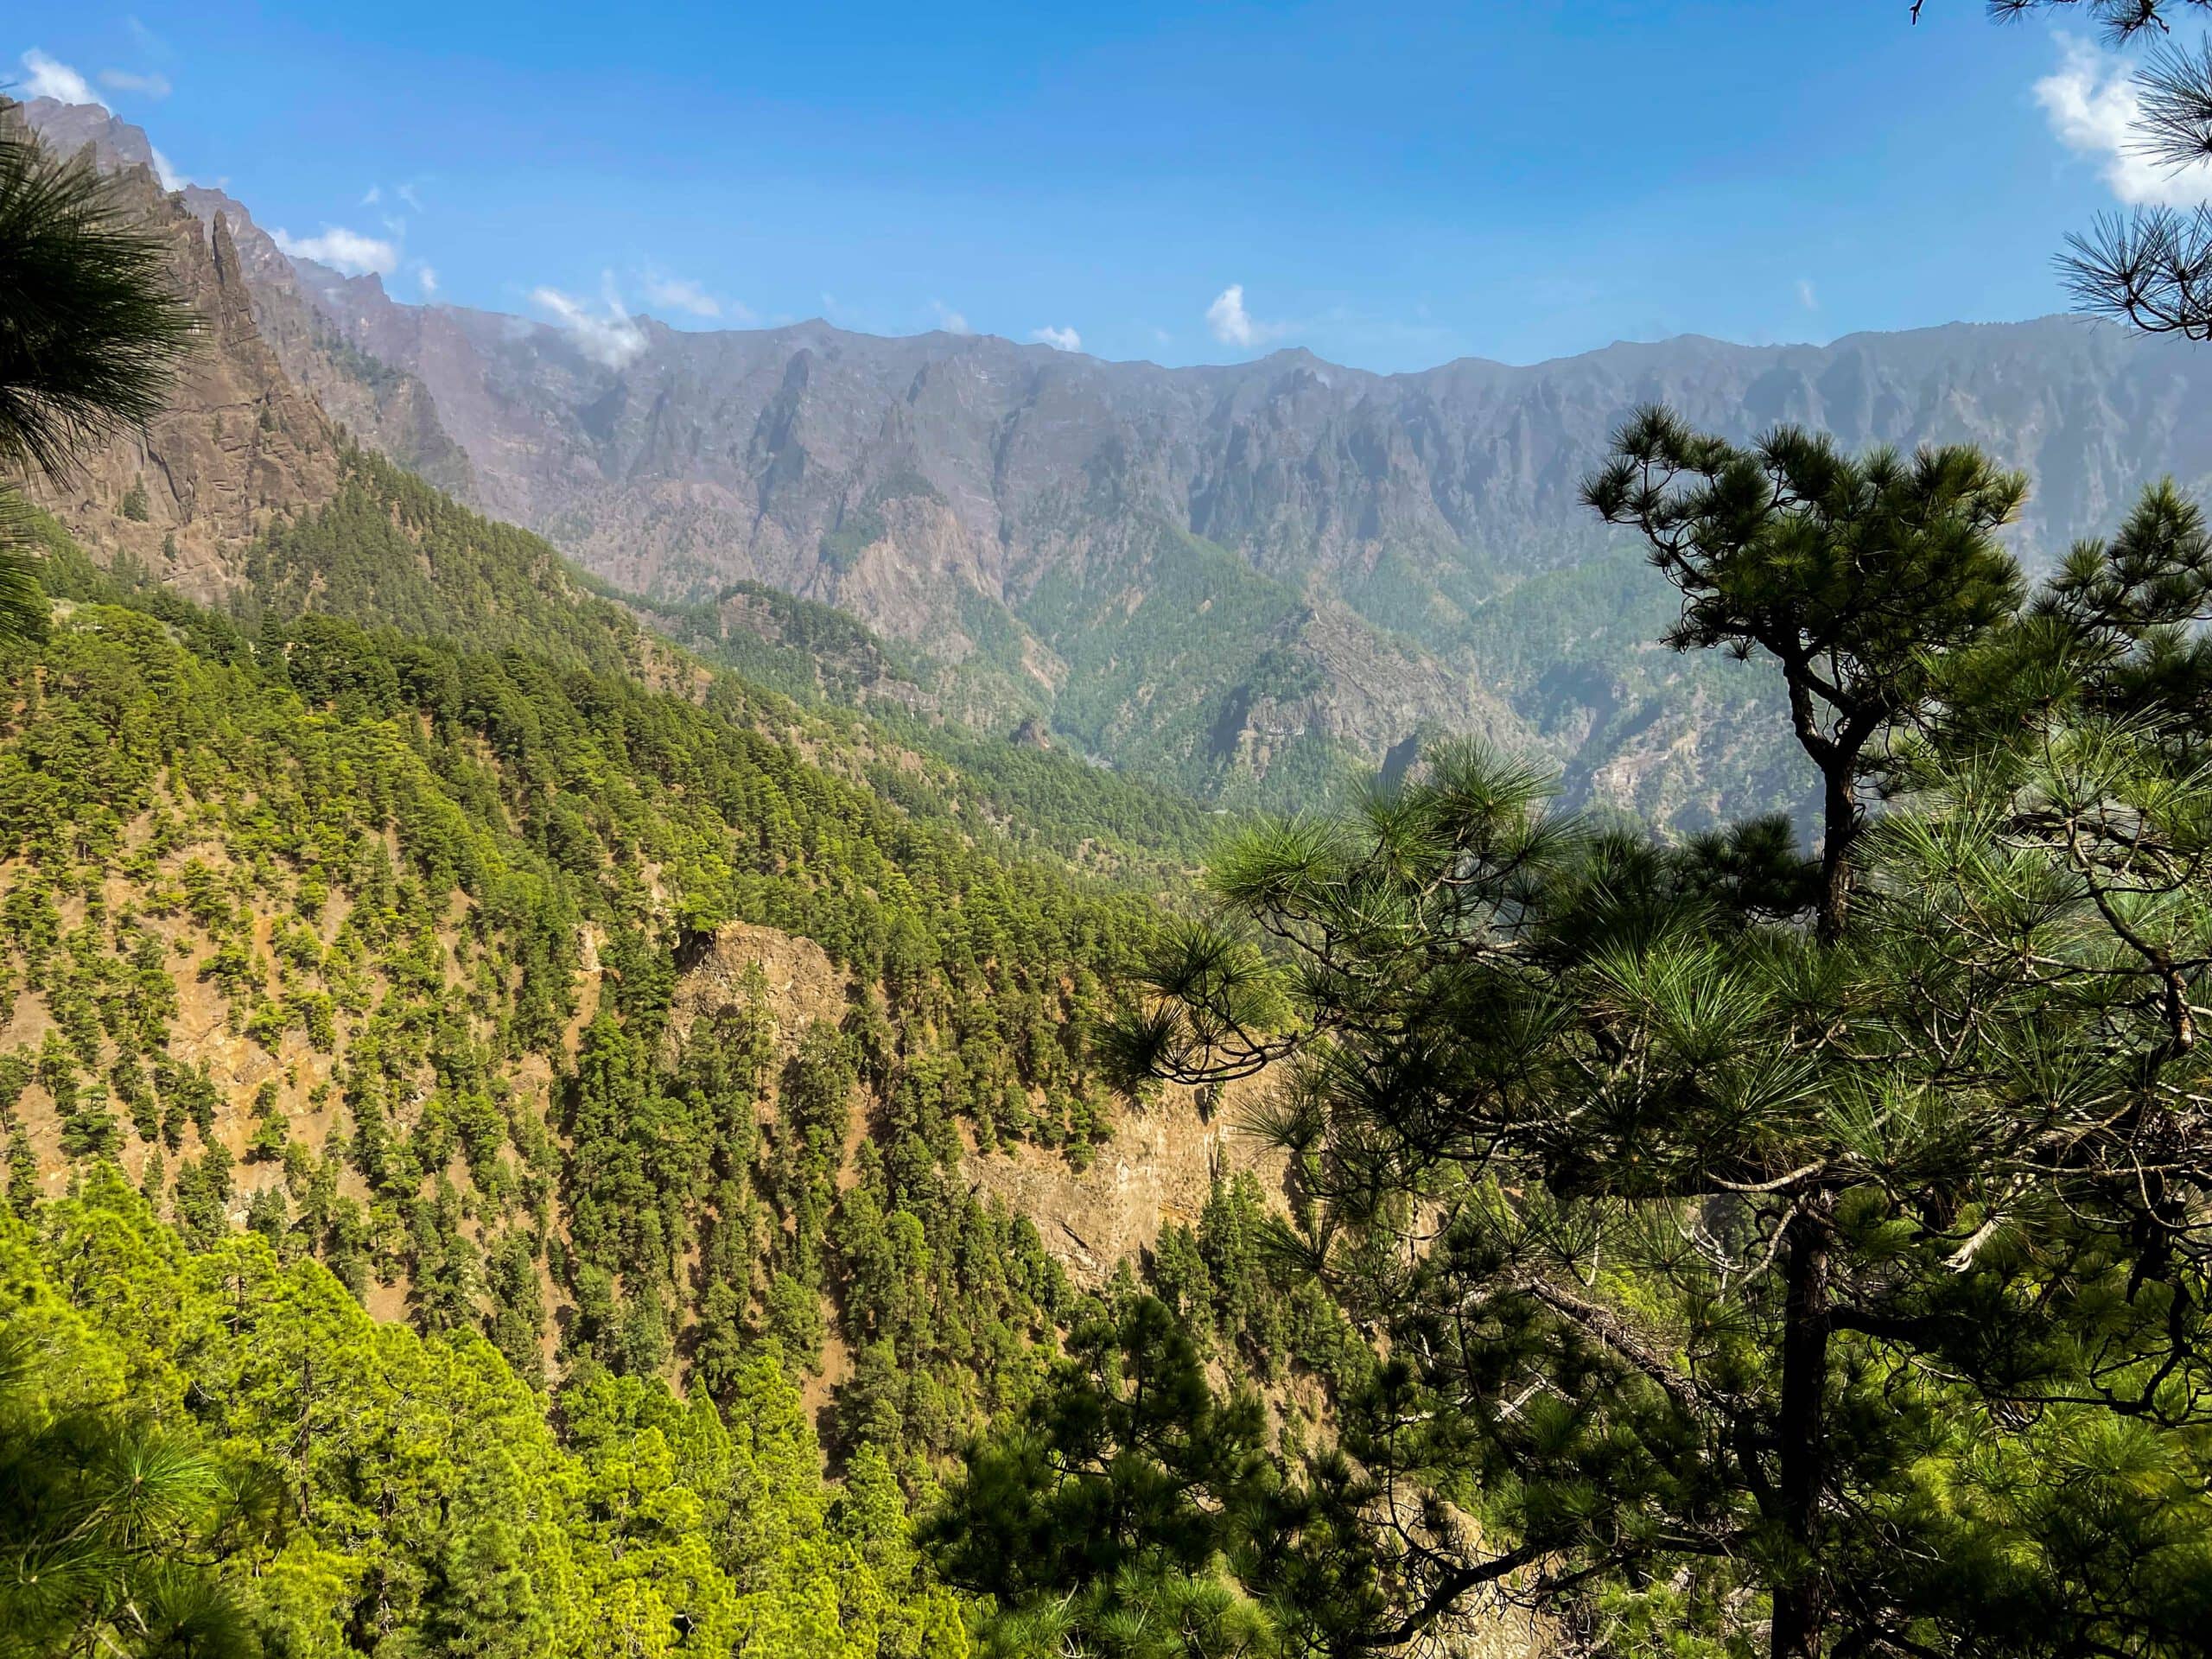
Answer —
1828 1246
107 1521
1851 574
1718 1264
484 1603
1098 1520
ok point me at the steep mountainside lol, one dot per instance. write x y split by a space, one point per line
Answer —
631 1027
1013 508
410 903
388 410
524 1073
235 449
1212 572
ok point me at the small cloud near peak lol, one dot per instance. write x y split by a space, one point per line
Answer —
1231 324
48 77
151 85
682 294
1060 339
342 249
609 337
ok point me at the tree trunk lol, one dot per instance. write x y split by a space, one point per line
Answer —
1800 1596
1839 827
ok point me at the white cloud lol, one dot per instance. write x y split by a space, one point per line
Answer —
2093 108
682 294
950 320
148 40
129 80
609 337
342 249
1060 339
51 78
374 195
1806 294
166 171
428 277
1232 325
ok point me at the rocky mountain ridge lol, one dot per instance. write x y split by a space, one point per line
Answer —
1014 511
1239 579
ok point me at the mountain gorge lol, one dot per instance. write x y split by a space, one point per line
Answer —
1221 576
1241 581
778 992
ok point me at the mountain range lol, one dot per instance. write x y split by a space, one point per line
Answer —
1243 581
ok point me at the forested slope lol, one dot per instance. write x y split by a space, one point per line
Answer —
405 954
312 1482
513 1138
493 1105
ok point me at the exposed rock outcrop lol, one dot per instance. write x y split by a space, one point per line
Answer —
236 444
389 410
1159 1168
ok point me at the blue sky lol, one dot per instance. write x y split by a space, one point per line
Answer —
1389 185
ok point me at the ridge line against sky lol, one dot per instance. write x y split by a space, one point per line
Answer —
1392 188
590 338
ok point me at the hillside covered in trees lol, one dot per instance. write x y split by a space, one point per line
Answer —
541 1121
545 1013
586 1030
387 941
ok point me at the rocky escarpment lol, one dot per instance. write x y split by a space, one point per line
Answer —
1415 541
236 446
385 408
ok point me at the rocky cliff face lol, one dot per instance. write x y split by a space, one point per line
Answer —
743 454
1411 544
391 411
236 446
